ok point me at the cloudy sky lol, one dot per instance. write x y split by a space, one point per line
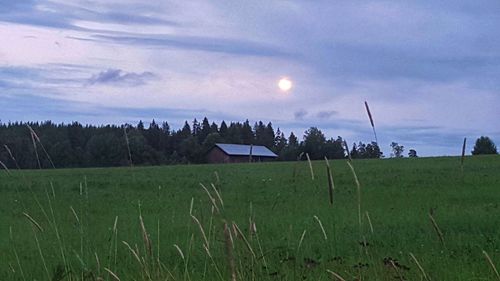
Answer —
430 70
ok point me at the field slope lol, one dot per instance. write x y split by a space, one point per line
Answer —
266 221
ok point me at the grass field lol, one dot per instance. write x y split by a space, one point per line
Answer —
72 224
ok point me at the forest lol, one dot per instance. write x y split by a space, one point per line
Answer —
46 144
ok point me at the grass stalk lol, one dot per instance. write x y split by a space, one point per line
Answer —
463 155
426 277
369 221
358 186
401 278
33 221
112 274
205 240
212 199
371 121
229 252
436 227
336 275
18 261
301 239
128 147
249 247
56 229
218 195
321 226
41 255
34 137
5 167
310 166
493 267
331 185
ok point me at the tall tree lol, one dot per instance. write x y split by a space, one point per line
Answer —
397 150
246 133
314 143
484 145
205 130
223 130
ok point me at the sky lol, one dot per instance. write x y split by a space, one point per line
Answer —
430 70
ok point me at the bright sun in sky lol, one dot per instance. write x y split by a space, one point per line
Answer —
285 84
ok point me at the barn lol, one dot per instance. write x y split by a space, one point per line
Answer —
239 153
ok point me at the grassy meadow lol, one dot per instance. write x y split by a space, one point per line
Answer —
421 219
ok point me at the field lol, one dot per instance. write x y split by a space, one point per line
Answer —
421 219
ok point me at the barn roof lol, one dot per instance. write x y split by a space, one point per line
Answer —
243 149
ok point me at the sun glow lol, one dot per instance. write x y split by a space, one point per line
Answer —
285 84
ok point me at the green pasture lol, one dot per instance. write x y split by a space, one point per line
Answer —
271 222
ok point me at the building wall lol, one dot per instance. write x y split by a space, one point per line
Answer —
216 155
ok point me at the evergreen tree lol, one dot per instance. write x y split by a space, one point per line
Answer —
484 145
205 130
246 133
223 130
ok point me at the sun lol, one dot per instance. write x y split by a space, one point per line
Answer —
285 84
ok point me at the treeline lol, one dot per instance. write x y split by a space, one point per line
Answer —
35 145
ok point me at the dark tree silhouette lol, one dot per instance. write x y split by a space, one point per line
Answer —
484 145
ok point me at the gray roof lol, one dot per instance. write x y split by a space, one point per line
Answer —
243 149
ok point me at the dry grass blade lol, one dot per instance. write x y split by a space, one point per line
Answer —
212 199
369 221
336 275
358 185
301 239
128 147
331 185
5 167
16 254
310 166
201 230
34 222
244 239
436 227
420 267
229 251
98 263
74 214
35 148
191 206
491 264
179 251
145 237
134 253
112 274
218 195
346 147
217 179
35 136
321 226
397 271
12 156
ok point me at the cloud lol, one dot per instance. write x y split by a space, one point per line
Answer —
121 78
300 114
200 43
326 114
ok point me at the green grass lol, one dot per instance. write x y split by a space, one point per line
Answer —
397 194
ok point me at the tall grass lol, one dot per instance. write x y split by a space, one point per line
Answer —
220 244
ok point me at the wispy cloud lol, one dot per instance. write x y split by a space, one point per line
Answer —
300 114
326 114
119 77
